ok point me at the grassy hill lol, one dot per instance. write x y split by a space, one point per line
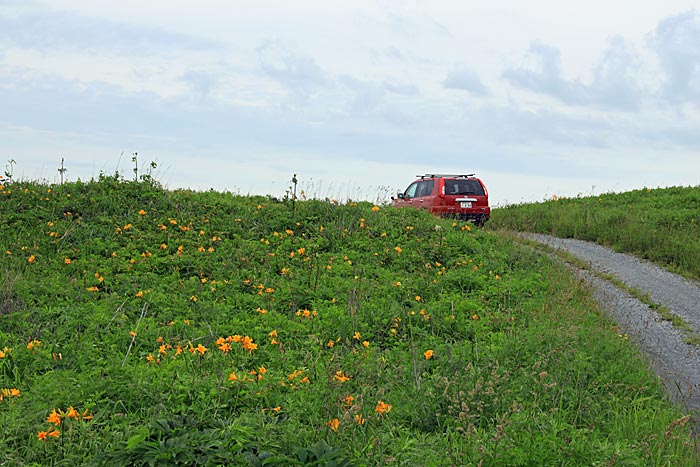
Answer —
140 326
661 224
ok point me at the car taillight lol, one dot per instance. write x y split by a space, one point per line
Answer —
442 190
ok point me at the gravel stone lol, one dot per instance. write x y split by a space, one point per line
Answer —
675 362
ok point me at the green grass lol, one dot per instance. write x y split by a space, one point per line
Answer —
660 224
690 335
113 290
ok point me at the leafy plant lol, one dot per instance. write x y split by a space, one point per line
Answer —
204 328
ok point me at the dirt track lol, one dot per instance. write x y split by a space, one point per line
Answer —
676 363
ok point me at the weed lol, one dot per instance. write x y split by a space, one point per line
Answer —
656 224
204 328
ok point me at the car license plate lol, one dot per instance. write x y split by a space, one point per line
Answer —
465 204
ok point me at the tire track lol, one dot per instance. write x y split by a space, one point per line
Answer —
674 361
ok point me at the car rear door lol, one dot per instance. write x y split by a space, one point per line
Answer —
424 194
465 195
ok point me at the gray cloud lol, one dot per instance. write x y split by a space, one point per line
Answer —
393 53
51 30
613 87
467 80
292 70
545 77
410 26
676 42
365 96
200 82
513 126
401 89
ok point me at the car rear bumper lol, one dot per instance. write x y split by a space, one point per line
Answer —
479 214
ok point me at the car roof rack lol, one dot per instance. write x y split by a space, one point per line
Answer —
445 176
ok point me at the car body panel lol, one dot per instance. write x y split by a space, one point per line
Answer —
459 196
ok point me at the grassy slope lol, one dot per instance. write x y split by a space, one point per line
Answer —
113 289
662 225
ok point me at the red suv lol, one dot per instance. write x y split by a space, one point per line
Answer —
461 196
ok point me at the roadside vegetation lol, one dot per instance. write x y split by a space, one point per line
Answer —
141 326
660 224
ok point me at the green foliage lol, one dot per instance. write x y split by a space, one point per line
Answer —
156 327
660 224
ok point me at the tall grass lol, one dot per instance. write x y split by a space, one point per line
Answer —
661 224
155 327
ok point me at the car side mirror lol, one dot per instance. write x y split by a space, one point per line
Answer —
400 195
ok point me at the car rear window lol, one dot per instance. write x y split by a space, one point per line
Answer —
463 187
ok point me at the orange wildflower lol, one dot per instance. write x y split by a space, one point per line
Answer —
54 417
41 435
428 354
248 344
33 343
341 377
54 433
382 407
72 413
333 424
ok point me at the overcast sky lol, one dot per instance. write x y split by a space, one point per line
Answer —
538 97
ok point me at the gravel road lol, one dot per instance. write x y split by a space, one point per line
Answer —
676 363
